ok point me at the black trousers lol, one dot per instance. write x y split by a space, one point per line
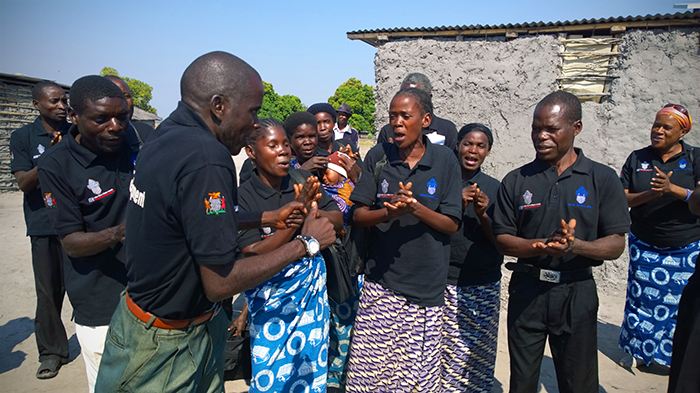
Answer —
47 261
685 361
567 315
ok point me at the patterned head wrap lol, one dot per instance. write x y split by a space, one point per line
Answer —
683 117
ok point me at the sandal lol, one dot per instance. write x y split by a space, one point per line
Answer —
49 368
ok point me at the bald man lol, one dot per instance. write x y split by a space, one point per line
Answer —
167 334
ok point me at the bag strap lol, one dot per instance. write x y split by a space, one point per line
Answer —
379 165
296 176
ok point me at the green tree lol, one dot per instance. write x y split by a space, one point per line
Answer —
141 92
277 106
361 99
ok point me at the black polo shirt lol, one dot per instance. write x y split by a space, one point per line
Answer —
336 145
474 259
405 254
534 198
246 171
254 195
27 144
85 192
442 126
665 221
181 214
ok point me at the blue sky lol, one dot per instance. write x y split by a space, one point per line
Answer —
300 47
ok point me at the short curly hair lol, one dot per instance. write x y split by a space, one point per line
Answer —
92 88
296 119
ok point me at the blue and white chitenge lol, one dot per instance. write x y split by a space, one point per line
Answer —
657 277
289 321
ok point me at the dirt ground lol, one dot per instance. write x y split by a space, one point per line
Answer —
19 358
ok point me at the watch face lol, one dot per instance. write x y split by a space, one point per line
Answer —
313 246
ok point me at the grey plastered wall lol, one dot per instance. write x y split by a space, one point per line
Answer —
499 82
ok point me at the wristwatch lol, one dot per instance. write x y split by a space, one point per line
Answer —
311 245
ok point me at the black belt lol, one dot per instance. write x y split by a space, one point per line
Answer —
553 276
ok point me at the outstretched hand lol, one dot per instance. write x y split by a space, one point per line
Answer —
560 241
290 215
308 192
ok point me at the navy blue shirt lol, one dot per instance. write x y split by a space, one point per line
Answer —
86 192
474 259
665 221
405 254
27 144
534 198
181 214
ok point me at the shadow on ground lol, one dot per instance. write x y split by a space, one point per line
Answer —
13 333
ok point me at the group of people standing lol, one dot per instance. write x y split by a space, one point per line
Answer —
159 234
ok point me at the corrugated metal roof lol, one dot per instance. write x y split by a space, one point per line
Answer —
21 79
378 36
142 115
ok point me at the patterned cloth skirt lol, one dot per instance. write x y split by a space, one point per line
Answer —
289 320
339 337
657 276
395 346
470 337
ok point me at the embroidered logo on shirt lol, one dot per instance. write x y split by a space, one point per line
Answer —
645 167
581 196
267 232
12 156
683 165
215 204
385 190
49 201
94 186
432 187
41 150
527 199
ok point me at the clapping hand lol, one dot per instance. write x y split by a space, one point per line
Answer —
308 192
402 202
661 183
560 241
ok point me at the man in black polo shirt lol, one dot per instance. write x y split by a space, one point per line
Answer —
442 127
27 144
560 215
167 334
85 181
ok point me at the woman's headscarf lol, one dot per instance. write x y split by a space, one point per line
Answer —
683 116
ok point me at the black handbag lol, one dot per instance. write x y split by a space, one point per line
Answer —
340 283
237 357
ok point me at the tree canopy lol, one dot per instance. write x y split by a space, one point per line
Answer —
141 92
277 106
361 99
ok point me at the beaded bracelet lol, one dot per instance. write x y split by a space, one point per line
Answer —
687 196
